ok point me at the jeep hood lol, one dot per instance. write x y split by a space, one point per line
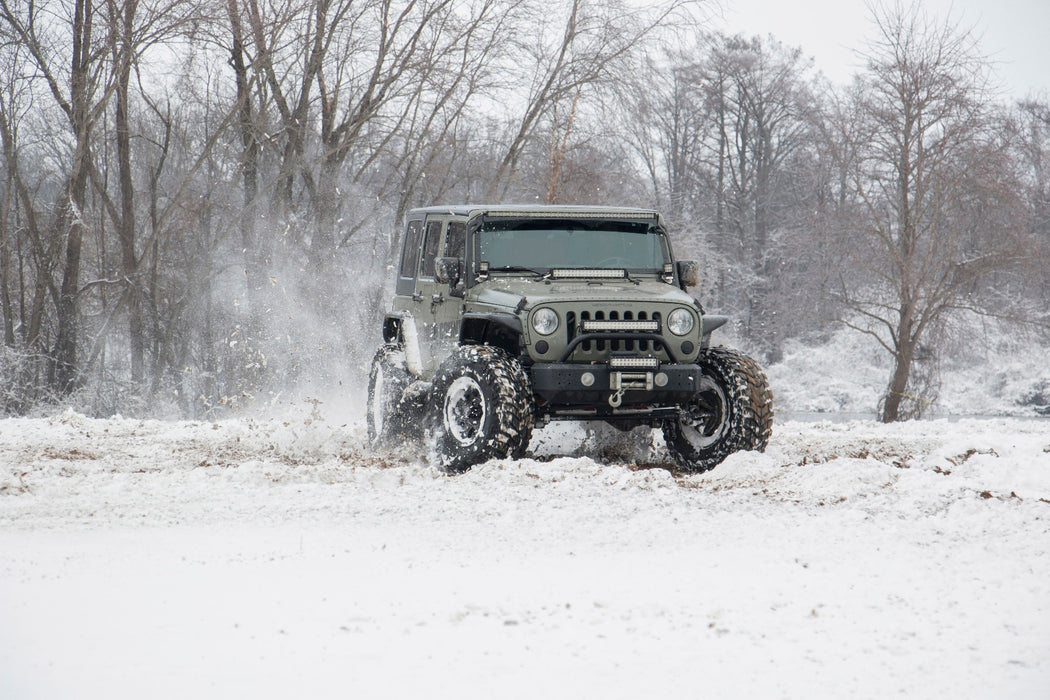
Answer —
515 293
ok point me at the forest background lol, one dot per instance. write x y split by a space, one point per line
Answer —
201 200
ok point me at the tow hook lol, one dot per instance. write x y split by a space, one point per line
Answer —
616 398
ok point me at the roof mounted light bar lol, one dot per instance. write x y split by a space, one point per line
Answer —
569 214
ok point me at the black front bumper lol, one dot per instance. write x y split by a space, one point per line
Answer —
563 385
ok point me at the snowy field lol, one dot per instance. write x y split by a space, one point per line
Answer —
278 559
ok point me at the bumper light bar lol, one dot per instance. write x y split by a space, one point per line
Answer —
647 326
633 362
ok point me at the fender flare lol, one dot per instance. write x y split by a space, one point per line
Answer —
400 329
710 323
499 330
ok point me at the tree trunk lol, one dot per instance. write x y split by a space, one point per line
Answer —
326 212
255 272
126 225
897 390
559 145
6 307
64 372
895 393
70 219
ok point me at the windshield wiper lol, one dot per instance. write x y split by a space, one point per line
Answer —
519 268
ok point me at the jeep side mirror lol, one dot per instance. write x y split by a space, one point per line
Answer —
688 273
448 270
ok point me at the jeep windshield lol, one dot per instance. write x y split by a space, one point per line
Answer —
542 245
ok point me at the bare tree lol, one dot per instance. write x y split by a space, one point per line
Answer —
81 91
1032 135
722 128
348 79
925 161
665 126
14 106
583 46
762 103
134 27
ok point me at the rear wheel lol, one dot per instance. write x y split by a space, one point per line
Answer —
733 411
387 381
480 408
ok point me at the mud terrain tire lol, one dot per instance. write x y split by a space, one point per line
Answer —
525 431
387 380
733 412
480 408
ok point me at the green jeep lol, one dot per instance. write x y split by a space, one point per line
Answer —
508 317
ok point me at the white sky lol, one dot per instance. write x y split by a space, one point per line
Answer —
1014 33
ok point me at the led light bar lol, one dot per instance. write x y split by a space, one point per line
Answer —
580 274
579 213
650 326
616 362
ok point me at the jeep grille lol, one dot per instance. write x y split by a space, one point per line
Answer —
598 350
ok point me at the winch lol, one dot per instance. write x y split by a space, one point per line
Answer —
619 382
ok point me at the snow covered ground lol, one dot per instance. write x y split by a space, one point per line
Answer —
275 559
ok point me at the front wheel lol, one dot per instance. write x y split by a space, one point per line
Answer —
480 408
733 411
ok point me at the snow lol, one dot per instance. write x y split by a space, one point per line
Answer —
278 558
994 371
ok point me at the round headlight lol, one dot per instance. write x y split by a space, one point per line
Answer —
680 322
545 321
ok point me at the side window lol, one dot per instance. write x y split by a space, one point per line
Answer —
430 247
456 240
410 254
406 276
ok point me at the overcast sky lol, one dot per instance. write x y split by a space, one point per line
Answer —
1014 33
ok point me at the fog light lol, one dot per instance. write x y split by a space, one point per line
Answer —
660 379
587 379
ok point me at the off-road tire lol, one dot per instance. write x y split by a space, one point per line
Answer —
525 431
384 413
731 413
480 408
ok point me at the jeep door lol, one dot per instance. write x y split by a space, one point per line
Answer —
439 309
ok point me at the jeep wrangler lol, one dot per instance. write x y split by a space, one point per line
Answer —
508 317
